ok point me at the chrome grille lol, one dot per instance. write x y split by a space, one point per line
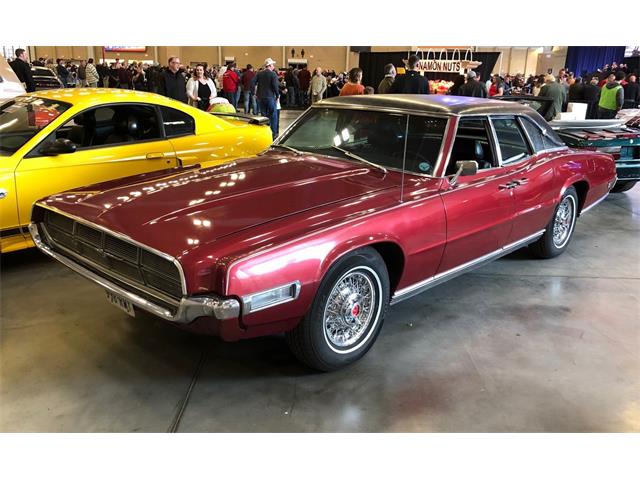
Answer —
119 260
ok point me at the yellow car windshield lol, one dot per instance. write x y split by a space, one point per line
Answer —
23 117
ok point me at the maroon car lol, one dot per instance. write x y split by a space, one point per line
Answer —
363 202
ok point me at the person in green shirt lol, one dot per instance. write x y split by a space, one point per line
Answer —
611 96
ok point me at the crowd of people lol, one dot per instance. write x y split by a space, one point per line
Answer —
266 90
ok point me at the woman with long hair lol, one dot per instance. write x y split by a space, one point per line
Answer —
497 86
200 89
353 85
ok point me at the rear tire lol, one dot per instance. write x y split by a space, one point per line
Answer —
623 186
346 315
559 231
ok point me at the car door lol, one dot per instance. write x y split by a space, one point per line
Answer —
480 207
11 234
522 148
112 141
23 121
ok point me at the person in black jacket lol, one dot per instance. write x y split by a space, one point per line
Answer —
23 70
473 88
576 91
172 82
412 81
63 72
591 95
631 92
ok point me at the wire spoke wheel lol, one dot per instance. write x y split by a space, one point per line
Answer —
349 309
564 221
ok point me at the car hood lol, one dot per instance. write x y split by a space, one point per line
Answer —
181 210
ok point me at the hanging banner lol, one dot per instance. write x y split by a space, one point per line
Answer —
125 49
445 63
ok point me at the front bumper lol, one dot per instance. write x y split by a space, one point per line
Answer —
188 309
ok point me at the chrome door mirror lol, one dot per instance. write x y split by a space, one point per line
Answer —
465 168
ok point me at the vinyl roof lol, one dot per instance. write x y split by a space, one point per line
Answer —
443 104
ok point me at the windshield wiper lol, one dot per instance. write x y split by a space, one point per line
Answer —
358 157
282 145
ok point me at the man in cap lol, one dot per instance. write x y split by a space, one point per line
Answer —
268 93
473 88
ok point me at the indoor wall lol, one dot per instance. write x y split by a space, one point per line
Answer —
526 60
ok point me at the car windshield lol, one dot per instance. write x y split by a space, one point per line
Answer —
367 136
23 117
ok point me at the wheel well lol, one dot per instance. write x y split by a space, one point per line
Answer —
582 187
393 258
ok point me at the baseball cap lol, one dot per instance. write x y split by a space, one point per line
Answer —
269 61
471 74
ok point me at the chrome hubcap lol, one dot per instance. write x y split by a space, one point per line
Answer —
563 222
349 310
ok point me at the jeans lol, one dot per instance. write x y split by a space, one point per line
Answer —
236 98
269 110
291 97
249 97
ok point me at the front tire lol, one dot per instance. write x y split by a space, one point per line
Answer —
346 315
559 231
623 186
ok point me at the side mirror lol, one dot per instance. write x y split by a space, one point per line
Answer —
465 168
58 147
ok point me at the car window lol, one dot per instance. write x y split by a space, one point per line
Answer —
511 141
110 125
472 143
374 136
177 123
23 117
534 133
423 143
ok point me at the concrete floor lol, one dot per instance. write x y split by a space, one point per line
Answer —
519 345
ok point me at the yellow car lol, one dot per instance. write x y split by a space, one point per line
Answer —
54 140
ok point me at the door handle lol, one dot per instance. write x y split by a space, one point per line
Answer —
508 186
155 156
3 193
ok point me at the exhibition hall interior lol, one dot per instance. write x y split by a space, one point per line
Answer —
319 239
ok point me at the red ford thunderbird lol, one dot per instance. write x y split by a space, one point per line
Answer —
362 203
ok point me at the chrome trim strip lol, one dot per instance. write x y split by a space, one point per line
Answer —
496 145
585 210
246 300
431 282
440 160
121 237
188 309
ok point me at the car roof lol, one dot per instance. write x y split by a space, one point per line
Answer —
96 96
440 104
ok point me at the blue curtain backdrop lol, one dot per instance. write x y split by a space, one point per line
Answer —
589 59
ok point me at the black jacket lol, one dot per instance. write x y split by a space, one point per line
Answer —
23 72
576 92
631 95
590 93
267 83
173 85
410 82
473 88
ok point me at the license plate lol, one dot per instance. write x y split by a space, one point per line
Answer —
121 303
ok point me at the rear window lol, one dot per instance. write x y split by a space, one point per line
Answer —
511 140
177 123
23 117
